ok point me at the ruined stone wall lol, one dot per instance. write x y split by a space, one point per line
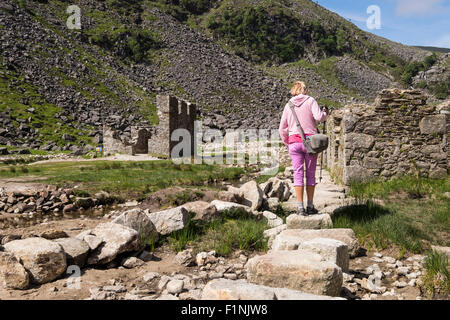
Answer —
138 144
400 134
173 114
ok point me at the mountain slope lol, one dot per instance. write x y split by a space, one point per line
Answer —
234 58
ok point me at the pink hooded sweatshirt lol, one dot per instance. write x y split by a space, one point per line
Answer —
308 113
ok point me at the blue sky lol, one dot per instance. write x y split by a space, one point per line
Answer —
411 22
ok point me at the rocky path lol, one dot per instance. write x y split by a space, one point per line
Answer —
308 258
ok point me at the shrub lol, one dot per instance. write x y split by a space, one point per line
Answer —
442 89
430 61
254 29
410 71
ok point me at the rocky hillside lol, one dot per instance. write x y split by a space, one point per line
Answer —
235 59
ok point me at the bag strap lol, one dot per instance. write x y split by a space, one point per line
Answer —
299 127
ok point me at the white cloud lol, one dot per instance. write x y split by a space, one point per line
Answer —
407 8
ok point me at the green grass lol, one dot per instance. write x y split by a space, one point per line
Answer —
14 90
414 187
234 230
415 213
436 281
379 227
122 178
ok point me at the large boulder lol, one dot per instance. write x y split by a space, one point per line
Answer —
252 195
170 220
45 260
223 289
277 188
12 274
116 239
297 270
330 250
316 221
291 239
76 250
223 206
138 220
204 211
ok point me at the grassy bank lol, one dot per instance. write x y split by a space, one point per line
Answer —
411 213
126 179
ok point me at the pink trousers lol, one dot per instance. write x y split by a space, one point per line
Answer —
300 159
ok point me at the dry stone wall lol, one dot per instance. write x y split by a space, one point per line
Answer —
400 134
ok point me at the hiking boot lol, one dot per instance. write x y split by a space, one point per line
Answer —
301 212
311 210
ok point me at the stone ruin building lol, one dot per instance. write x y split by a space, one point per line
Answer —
400 134
172 114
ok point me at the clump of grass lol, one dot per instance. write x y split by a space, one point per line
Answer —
235 229
436 281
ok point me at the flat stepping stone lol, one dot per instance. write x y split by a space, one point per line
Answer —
223 289
330 250
316 221
291 239
297 270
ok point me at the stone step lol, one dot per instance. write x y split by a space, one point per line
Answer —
316 221
330 250
291 239
298 270
223 289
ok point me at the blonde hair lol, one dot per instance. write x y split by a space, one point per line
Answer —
298 87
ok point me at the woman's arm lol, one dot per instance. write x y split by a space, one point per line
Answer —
318 114
283 126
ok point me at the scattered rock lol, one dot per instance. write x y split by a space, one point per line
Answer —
203 210
76 250
132 262
252 195
43 259
137 220
170 220
175 286
53 234
116 239
185 258
223 289
12 274
223 206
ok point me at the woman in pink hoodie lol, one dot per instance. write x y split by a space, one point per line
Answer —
308 112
